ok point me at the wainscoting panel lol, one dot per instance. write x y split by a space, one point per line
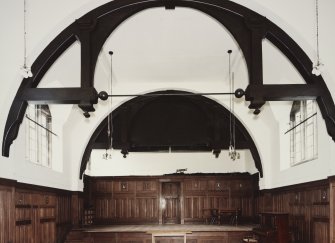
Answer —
174 198
36 214
308 208
7 224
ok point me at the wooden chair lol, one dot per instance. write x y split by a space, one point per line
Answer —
214 216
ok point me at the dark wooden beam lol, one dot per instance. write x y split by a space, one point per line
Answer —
283 92
85 28
256 25
246 26
60 95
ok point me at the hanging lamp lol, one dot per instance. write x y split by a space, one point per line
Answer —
233 154
25 69
318 66
108 153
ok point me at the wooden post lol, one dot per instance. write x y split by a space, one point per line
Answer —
7 210
332 209
75 209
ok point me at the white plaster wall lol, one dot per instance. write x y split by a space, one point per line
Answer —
47 18
164 163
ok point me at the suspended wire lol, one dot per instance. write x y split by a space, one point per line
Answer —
233 154
300 123
318 66
48 130
24 34
233 115
109 144
110 126
25 70
170 94
230 100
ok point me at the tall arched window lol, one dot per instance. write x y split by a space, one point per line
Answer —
39 135
303 132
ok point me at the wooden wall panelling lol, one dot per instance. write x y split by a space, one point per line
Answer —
195 200
299 228
77 209
36 214
24 217
125 200
47 217
7 212
23 223
147 208
194 208
332 209
136 199
304 203
63 215
320 230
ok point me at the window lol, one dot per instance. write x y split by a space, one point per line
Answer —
38 135
303 132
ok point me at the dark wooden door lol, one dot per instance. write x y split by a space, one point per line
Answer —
171 202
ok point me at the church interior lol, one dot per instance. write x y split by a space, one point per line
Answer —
167 121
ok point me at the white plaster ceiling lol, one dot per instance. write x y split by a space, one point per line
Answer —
160 48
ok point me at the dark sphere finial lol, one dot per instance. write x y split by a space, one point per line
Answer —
110 53
239 93
229 51
103 95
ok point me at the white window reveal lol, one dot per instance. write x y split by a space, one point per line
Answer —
303 132
39 135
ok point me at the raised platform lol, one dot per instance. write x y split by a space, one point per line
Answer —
160 233
171 227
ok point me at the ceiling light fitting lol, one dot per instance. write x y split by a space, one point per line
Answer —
233 154
25 69
109 146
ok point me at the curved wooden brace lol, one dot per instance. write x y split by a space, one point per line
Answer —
140 101
247 27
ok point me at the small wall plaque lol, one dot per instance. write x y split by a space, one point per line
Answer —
146 186
124 186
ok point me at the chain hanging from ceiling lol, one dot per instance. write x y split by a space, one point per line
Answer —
318 66
25 69
233 154
108 153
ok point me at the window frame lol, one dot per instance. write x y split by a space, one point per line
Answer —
38 135
303 126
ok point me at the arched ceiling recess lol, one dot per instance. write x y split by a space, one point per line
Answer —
170 123
246 26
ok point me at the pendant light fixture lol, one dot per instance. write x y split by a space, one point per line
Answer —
109 146
233 154
318 66
25 69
